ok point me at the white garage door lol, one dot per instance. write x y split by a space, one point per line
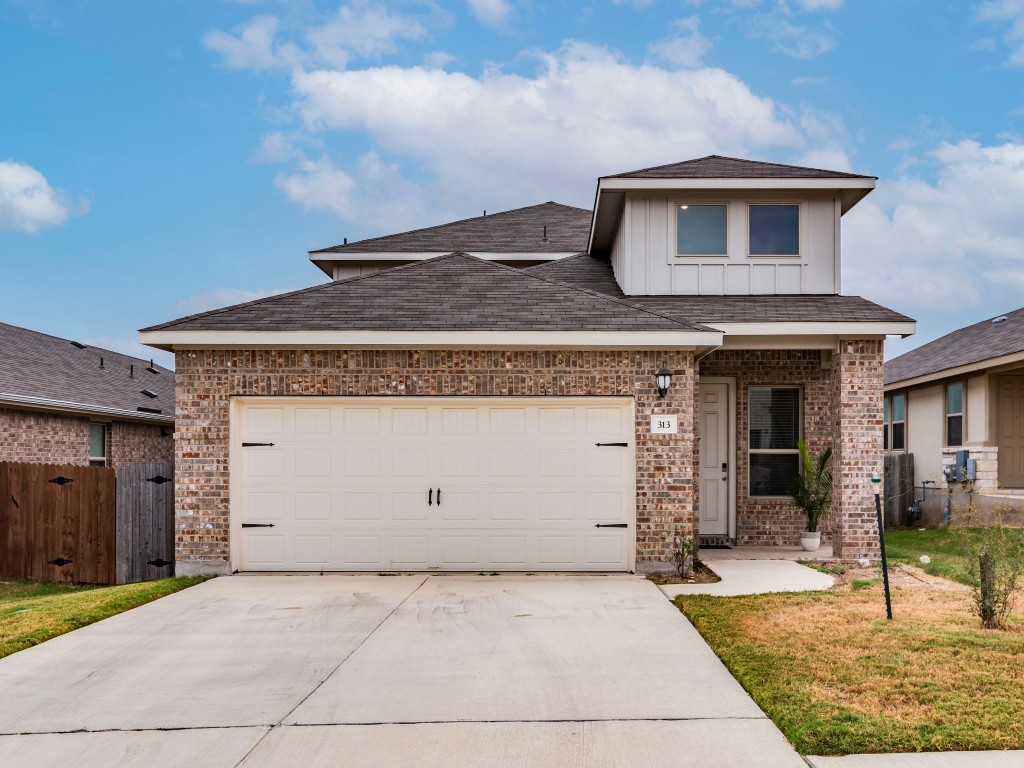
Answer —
434 484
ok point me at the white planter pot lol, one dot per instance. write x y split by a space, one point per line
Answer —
810 541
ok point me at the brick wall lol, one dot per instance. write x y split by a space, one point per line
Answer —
207 379
131 443
857 402
774 520
50 438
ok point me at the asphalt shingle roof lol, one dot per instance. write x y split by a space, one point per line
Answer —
456 292
596 274
36 365
519 230
972 344
718 167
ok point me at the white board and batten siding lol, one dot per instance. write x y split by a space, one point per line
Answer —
352 485
645 263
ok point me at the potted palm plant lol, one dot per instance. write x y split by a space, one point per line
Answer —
812 492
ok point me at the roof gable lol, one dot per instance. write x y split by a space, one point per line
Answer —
719 167
456 292
515 231
38 367
973 344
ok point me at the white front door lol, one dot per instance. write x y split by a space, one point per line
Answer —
715 465
403 483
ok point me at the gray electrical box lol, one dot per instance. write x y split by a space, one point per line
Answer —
972 469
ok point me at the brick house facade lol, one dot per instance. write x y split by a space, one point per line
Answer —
287 453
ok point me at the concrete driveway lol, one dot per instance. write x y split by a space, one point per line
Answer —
367 670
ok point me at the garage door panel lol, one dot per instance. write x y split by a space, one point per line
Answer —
355 486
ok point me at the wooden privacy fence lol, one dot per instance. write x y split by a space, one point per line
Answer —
898 487
86 524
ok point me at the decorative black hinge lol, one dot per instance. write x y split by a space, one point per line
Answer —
62 480
14 501
159 479
612 445
159 562
257 525
612 525
60 562
255 445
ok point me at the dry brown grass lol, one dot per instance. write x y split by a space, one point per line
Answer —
839 679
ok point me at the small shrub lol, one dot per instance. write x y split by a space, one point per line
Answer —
684 547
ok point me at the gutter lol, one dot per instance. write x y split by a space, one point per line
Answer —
64 406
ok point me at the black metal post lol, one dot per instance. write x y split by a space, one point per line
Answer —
885 563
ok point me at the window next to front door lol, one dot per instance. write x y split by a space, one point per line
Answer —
774 431
97 445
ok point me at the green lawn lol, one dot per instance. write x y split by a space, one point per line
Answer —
943 546
32 612
837 678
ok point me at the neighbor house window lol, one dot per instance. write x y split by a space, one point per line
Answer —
97 445
774 431
774 230
955 414
895 423
701 230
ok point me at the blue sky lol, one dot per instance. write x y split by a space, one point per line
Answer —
162 158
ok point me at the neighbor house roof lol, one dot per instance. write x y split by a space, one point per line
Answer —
974 344
596 274
41 371
517 231
718 167
456 292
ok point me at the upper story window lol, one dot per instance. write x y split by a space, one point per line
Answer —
955 414
773 230
702 230
895 423
97 445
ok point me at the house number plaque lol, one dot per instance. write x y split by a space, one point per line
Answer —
664 424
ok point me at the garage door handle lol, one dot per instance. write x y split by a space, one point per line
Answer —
612 525
257 525
430 498
612 445
439 497
256 445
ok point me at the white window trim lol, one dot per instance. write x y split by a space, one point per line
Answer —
891 421
775 451
947 415
800 229
105 458
676 205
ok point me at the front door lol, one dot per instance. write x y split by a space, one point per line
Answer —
1011 431
715 464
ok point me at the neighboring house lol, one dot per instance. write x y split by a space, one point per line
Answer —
62 402
464 411
962 391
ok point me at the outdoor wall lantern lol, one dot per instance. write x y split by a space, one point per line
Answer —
664 377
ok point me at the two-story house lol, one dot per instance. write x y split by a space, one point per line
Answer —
548 388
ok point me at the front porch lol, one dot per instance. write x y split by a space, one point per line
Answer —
753 405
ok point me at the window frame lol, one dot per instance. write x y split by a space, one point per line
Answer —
888 421
99 461
774 451
676 205
800 218
962 414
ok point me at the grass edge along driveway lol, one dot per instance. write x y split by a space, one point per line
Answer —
32 612
838 679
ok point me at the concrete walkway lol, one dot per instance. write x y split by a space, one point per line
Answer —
259 671
754 577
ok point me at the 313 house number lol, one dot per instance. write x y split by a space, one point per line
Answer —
664 424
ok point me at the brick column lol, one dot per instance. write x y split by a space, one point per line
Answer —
857 399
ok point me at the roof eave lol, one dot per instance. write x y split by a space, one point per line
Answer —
170 339
326 260
84 409
957 370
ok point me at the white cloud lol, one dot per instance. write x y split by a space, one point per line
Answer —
250 47
27 201
686 47
585 111
820 5
947 245
789 38
132 347
362 29
438 59
493 13
1011 12
221 297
